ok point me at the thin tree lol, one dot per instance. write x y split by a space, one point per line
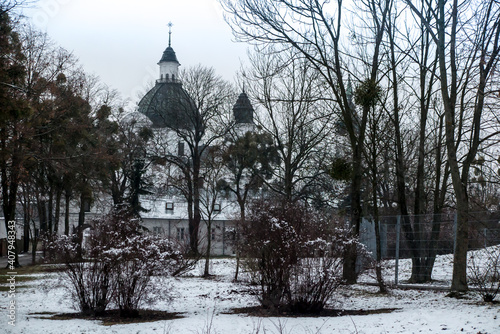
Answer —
249 159
313 28
467 35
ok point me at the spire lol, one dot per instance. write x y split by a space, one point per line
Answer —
169 33
169 65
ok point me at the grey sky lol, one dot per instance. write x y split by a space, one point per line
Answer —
122 41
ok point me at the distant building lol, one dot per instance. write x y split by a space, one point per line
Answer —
168 106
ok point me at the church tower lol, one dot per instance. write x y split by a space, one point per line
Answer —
169 65
167 104
243 114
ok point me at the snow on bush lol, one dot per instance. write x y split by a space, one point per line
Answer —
116 265
484 271
295 255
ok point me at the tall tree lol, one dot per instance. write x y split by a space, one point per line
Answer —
314 29
14 129
298 118
467 36
250 159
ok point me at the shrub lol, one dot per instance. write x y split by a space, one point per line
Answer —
484 271
295 255
137 259
87 280
117 266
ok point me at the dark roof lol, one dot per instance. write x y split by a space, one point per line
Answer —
243 110
169 55
168 105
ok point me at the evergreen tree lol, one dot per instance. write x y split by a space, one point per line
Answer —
14 129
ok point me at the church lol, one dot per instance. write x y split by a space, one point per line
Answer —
169 109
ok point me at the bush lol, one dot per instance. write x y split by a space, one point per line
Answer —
117 266
295 255
484 272
88 281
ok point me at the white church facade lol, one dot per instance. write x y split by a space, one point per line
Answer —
168 214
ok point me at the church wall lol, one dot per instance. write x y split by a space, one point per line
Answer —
222 234
168 68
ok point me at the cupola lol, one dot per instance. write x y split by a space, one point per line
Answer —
169 65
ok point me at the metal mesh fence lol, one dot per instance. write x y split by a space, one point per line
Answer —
419 248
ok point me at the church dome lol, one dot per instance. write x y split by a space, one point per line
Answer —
168 105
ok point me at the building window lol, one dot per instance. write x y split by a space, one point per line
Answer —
217 208
180 149
157 230
169 207
86 205
180 233
213 234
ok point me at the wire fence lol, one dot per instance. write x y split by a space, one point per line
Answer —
420 248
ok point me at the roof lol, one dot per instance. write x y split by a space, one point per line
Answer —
169 55
168 105
243 110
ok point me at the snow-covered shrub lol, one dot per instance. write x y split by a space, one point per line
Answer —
88 281
317 275
137 259
295 255
484 271
118 264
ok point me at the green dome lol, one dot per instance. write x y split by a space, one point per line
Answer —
168 105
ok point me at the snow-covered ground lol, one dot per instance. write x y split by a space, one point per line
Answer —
204 303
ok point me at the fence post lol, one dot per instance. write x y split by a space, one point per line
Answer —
396 268
454 233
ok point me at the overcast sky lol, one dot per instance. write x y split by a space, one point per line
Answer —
122 41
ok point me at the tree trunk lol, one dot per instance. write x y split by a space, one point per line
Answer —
50 212
42 217
67 196
194 223
350 257
376 218
206 272
26 227
58 211
81 221
239 223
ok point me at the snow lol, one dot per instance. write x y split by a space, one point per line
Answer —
204 304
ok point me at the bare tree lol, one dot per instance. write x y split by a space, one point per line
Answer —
296 116
249 160
467 35
411 53
211 196
313 28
